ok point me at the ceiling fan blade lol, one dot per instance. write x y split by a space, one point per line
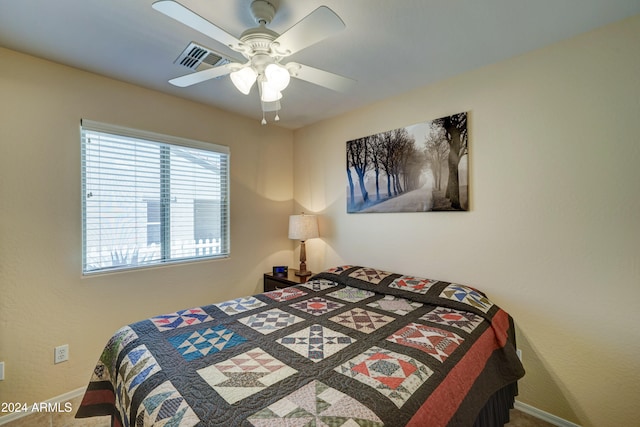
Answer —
317 26
201 76
191 19
320 77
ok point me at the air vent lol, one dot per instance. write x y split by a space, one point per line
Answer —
194 56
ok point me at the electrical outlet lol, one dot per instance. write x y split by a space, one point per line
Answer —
1 371
61 353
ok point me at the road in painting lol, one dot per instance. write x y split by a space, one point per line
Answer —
418 168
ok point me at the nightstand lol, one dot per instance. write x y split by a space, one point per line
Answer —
271 282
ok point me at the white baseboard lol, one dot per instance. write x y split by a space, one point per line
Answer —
544 416
58 399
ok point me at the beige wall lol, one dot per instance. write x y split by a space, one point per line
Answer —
44 301
553 231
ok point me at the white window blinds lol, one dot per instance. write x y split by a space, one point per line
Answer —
151 199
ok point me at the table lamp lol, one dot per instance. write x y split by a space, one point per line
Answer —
303 227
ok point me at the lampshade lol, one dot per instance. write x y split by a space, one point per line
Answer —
243 79
277 76
268 92
303 227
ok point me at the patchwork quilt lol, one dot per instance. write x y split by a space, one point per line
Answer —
354 346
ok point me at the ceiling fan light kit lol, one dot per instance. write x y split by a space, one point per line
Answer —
277 76
243 79
268 92
263 50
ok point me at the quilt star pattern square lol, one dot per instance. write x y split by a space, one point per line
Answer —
240 305
285 294
106 368
452 317
370 275
316 404
467 295
137 366
351 294
269 321
205 341
316 342
245 375
362 320
316 306
399 306
164 406
122 337
180 319
436 342
339 269
319 284
412 284
395 375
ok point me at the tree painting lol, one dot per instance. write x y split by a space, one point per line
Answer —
418 168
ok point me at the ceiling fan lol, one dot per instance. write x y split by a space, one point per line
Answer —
263 50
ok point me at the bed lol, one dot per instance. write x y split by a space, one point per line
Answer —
353 346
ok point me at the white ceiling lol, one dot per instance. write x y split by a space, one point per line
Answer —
389 46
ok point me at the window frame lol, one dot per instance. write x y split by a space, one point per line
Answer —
88 127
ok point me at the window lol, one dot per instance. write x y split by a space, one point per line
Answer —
151 199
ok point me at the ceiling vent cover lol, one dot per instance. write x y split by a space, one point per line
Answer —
197 57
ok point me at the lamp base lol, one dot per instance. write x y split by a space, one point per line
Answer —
302 273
